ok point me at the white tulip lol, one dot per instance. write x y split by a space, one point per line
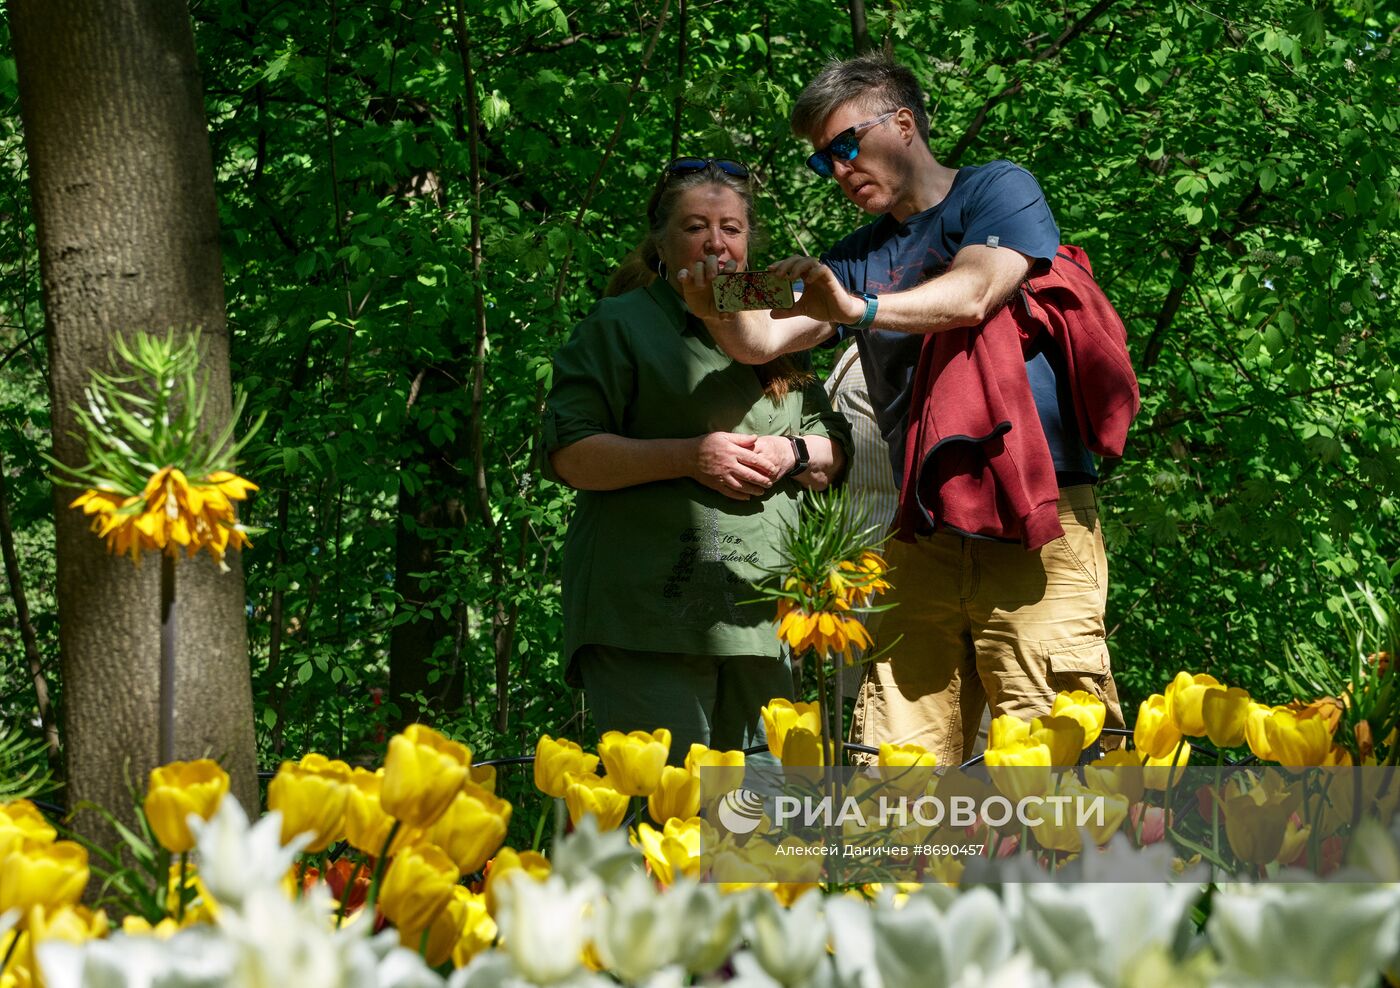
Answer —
236 859
544 926
791 942
638 931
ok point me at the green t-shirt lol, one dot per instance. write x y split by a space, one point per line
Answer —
667 566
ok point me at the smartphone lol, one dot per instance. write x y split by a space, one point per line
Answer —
752 290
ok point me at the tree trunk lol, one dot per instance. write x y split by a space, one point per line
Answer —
123 192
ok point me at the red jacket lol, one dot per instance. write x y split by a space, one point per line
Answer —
975 456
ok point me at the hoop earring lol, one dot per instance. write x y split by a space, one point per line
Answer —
661 269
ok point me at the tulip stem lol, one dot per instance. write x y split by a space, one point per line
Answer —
1215 803
539 825
180 889
11 951
345 893
379 865
1171 784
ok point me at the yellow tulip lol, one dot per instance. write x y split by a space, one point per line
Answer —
905 756
367 826
1295 839
483 776
1184 695
311 797
73 924
672 851
1226 715
472 828
175 791
1256 818
634 761
1298 739
1059 826
507 860
1155 734
555 759
678 795
1157 773
781 716
1117 773
22 825
478 930
460 930
1084 707
422 772
718 771
588 795
139 926
1006 730
1020 769
48 875
803 749
416 886
1255 734
1064 736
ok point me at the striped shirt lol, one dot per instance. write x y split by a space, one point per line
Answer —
869 476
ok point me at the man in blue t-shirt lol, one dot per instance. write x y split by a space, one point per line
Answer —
982 621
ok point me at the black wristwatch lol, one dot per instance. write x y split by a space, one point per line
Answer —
799 450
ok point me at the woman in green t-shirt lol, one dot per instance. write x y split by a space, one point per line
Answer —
689 467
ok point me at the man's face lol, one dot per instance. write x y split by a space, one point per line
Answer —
873 179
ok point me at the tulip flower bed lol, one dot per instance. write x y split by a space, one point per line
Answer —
398 876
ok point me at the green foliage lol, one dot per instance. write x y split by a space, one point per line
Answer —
24 770
1230 169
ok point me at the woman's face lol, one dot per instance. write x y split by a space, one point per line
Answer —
708 219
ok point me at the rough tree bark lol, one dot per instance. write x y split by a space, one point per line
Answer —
123 189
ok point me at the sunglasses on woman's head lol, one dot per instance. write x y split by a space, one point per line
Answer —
843 147
689 166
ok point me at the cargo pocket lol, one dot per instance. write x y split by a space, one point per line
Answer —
1079 663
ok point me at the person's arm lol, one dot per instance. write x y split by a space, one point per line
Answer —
825 459
726 462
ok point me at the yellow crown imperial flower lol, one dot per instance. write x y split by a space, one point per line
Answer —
422 773
177 790
555 758
634 761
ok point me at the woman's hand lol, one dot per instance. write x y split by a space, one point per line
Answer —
697 286
728 462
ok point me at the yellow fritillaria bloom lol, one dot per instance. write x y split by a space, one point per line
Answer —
781 716
634 761
677 796
588 795
1084 707
311 796
422 772
556 758
171 513
472 827
177 790
824 632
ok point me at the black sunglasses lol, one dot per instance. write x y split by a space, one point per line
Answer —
692 166
843 147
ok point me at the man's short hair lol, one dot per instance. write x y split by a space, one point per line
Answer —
876 81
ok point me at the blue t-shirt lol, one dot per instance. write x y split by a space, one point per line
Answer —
996 200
